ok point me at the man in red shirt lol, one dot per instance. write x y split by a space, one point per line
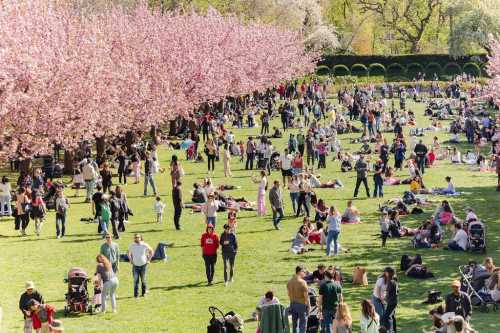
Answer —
209 245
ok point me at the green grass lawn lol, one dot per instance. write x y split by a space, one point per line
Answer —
178 298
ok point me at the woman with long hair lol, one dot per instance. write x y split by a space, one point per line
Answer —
122 198
109 279
175 170
334 220
211 151
370 321
261 192
388 320
343 320
227 161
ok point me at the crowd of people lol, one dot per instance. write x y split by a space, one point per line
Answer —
311 128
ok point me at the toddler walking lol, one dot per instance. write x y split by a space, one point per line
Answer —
159 207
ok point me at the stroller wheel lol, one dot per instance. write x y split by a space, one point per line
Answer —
90 309
66 311
483 250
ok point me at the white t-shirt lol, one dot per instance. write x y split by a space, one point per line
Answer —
139 252
461 239
286 161
382 285
159 206
5 189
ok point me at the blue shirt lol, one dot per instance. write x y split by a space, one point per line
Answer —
333 222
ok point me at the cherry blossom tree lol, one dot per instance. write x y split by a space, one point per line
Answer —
494 70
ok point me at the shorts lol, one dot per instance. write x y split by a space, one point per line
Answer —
286 173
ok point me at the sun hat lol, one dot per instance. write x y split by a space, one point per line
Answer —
29 285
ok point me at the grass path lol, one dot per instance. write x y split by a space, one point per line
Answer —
178 298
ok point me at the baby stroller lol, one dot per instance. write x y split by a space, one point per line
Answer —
473 283
477 237
275 157
77 297
313 323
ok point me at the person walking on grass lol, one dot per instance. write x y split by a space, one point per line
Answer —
139 255
276 200
330 295
361 170
334 220
388 320
299 300
149 170
378 180
111 251
178 204
159 207
209 244
109 280
30 294
62 205
229 247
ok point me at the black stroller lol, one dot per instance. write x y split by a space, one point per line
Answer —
226 323
477 237
473 283
313 322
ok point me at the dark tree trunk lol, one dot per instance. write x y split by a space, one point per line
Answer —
172 128
25 166
100 144
154 135
69 157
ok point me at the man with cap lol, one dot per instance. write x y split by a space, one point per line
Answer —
26 297
458 301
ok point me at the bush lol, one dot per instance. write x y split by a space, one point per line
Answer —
377 69
395 70
413 69
451 69
323 70
472 68
432 68
359 70
341 70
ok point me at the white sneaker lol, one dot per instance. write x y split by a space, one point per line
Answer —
226 283
58 237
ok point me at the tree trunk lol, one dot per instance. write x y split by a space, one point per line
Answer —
69 157
25 166
100 144
172 128
154 135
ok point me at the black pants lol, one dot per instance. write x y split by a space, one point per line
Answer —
358 182
228 258
421 164
265 128
122 173
384 161
302 202
322 161
211 162
384 235
121 225
301 149
114 225
389 318
177 217
311 158
210 266
250 159
22 221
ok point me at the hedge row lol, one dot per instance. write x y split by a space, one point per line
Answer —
400 71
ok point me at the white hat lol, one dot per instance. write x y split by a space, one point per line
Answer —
29 285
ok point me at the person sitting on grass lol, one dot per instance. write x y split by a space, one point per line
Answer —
460 239
267 299
351 214
450 188
389 178
301 240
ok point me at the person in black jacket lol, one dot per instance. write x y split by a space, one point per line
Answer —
177 203
421 153
116 211
391 299
458 302
25 299
229 246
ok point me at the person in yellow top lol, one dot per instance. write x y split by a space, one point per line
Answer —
299 300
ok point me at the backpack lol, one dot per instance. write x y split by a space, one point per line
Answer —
105 212
409 198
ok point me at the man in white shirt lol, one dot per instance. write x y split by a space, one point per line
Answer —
139 255
460 240
286 166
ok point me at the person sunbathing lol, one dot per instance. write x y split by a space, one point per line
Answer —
351 214
389 177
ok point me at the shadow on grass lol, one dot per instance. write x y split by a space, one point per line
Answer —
184 286
81 240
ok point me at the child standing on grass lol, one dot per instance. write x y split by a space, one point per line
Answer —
231 221
159 207
242 151
97 292
384 227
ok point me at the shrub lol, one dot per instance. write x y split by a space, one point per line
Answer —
341 70
377 69
451 69
359 70
472 69
431 68
395 70
323 70
413 69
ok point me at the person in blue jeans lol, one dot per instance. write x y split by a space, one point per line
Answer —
139 254
150 166
330 295
333 219
378 179
299 300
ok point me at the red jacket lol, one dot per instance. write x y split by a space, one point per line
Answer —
37 323
209 243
